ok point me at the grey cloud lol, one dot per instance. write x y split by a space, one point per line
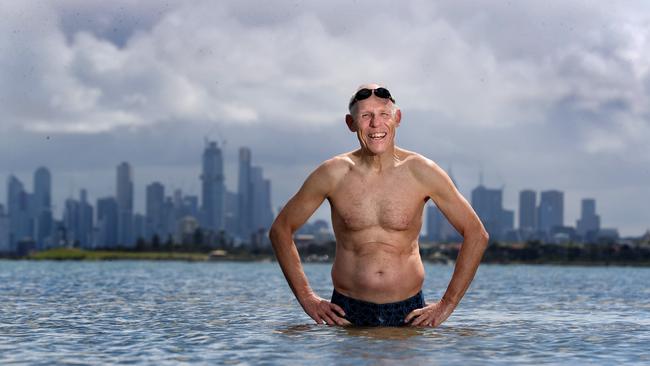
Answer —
539 94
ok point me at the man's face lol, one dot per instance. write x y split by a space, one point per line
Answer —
374 121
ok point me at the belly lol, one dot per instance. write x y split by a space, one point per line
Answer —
378 274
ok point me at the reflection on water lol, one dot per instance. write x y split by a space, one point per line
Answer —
229 313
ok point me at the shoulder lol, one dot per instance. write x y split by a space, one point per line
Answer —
425 170
330 172
336 166
419 165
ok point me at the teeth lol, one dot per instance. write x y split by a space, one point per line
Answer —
377 135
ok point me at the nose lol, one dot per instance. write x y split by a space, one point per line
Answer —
373 120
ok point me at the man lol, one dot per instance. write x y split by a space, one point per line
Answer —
377 194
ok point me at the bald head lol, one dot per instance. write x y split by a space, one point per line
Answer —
352 105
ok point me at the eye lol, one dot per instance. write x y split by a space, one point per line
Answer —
365 115
385 115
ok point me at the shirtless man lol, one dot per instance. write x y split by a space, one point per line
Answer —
377 194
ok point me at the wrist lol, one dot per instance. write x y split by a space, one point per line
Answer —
450 301
303 296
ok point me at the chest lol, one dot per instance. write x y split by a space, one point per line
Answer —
393 203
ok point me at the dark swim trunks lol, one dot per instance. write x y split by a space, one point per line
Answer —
364 313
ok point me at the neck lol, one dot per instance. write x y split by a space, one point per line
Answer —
378 162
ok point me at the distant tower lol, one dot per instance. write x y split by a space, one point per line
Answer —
550 213
43 218
262 211
17 205
245 193
588 224
107 218
155 214
125 205
213 188
488 204
4 232
85 220
527 205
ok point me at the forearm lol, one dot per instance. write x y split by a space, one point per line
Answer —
467 262
289 260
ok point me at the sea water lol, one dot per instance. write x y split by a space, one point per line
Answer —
158 313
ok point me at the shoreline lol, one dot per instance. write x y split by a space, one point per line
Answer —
74 254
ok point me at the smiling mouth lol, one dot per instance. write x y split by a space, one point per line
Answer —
377 135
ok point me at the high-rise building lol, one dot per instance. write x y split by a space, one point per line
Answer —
550 213
138 227
85 221
107 221
245 193
155 215
261 202
78 221
434 223
72 222
125 205
213 188
18 210
527 208
231 215
588 224
488 206
42 208
4 232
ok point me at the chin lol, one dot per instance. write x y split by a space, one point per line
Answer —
377 151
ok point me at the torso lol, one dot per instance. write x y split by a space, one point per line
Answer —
377 218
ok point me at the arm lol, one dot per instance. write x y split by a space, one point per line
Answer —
461 215
294 214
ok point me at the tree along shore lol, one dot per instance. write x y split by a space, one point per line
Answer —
503 253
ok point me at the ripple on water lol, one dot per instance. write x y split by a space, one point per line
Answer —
174 312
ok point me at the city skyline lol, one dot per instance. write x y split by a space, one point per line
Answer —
30 215
236 214
554 97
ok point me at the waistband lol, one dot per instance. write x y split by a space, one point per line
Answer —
416 297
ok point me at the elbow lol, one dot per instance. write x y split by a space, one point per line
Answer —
484 237
479 235
273 234
276 234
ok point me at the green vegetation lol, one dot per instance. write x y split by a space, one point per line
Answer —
80 254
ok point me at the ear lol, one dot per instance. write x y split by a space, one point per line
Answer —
398 117
350 122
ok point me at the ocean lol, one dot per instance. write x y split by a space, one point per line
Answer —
207 313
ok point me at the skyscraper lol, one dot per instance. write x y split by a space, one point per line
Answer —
488 206
434 223
155 215
125 205
4 232
527 207
231 215
85 220
42 207
71 222
245 193
550 213
588 224
261 200
17 205
107 219
213 188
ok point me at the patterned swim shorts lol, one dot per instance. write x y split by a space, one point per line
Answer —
364 313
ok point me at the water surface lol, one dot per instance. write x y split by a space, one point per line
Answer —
145 312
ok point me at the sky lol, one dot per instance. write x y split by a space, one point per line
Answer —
528 94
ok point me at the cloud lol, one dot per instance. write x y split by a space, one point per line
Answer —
518 87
